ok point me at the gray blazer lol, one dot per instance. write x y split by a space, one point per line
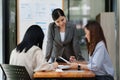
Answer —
69 47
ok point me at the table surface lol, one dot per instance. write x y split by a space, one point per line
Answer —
69 73
64 74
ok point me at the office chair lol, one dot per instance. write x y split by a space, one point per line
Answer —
14 72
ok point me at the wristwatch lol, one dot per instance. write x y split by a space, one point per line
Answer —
79 67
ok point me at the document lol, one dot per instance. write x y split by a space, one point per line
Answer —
58 70
63 67
73 70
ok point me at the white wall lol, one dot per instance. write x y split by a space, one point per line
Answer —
0 37
35 12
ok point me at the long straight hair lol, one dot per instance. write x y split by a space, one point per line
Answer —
96 35
33 36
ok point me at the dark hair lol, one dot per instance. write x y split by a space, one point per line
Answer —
96 35
57 13
33 36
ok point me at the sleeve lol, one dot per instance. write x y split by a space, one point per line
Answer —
97 59
11 58
49 46
76 46
41 63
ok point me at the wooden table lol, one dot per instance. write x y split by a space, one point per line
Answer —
70 74
81 75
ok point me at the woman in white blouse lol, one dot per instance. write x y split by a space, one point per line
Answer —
99 59
29 52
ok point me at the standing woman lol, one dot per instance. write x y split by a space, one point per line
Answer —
62 38
99 59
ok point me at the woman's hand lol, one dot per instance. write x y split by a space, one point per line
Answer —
74 65
55 64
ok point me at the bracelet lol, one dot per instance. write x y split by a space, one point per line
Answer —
79 67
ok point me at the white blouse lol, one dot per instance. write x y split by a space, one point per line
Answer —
62 35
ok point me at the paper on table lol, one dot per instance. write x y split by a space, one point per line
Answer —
59 70
63 66
73 70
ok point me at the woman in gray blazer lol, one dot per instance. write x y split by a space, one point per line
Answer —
62 38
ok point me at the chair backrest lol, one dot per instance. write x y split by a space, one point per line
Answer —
14 72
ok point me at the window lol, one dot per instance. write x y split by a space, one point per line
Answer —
79 12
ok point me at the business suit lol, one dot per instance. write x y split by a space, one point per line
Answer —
69 47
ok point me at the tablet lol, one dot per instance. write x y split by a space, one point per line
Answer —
64 60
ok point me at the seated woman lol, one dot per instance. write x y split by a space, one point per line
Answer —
29 52
99 59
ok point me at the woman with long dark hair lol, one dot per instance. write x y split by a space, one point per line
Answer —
29 52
